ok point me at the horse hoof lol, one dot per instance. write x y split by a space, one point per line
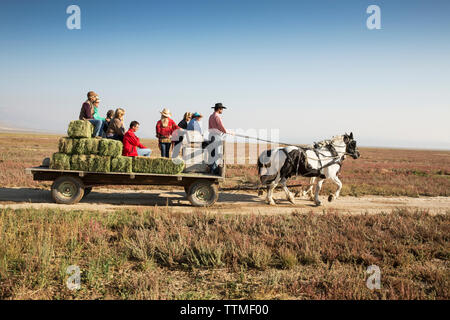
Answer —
260 193
330 198
272 203
318 204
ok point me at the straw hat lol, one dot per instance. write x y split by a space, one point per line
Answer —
166 113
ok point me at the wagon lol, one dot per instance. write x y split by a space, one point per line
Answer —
70 186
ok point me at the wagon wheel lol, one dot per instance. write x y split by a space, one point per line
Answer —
67 190
203 193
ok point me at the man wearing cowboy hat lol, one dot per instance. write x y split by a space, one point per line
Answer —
215 122
164 129
216 130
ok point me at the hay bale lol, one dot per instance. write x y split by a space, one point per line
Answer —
92 163
100 164
158 165
65 145
110 147
60 161
85 146
80 162
80 129
122 164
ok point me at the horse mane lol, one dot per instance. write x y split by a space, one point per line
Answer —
334 139
339 138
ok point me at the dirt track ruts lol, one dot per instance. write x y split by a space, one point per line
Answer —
229 202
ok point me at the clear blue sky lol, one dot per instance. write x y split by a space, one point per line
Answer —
309 68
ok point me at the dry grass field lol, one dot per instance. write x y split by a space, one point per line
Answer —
156 252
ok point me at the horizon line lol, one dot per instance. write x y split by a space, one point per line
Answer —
4 130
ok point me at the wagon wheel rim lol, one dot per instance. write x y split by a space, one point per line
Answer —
67 189
203 193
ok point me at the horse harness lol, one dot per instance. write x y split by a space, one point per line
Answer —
336 159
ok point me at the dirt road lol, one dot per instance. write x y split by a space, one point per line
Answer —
229 202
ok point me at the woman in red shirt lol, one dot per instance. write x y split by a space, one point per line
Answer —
164 129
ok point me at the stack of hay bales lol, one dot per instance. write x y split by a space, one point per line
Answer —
80 152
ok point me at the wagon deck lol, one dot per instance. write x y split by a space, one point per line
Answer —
101 178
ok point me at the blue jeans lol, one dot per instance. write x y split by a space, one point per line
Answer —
144 152
98 125
165 149
105 125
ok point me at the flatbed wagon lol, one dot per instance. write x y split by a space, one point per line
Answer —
70 186
201 187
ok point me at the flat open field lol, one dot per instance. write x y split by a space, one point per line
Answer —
158 254
149 243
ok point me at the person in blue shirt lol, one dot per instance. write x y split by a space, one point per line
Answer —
194 124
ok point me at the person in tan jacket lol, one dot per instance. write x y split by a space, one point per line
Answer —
116 129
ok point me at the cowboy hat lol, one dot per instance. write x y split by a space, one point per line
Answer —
218 105
166 113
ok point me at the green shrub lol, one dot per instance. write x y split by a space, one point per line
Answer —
110 147
80 129
60 161
158 165
85 146
122 164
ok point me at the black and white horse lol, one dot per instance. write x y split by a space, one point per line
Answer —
323 161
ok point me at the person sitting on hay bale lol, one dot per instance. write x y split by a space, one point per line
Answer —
87 113
116 128
97 116
132 147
